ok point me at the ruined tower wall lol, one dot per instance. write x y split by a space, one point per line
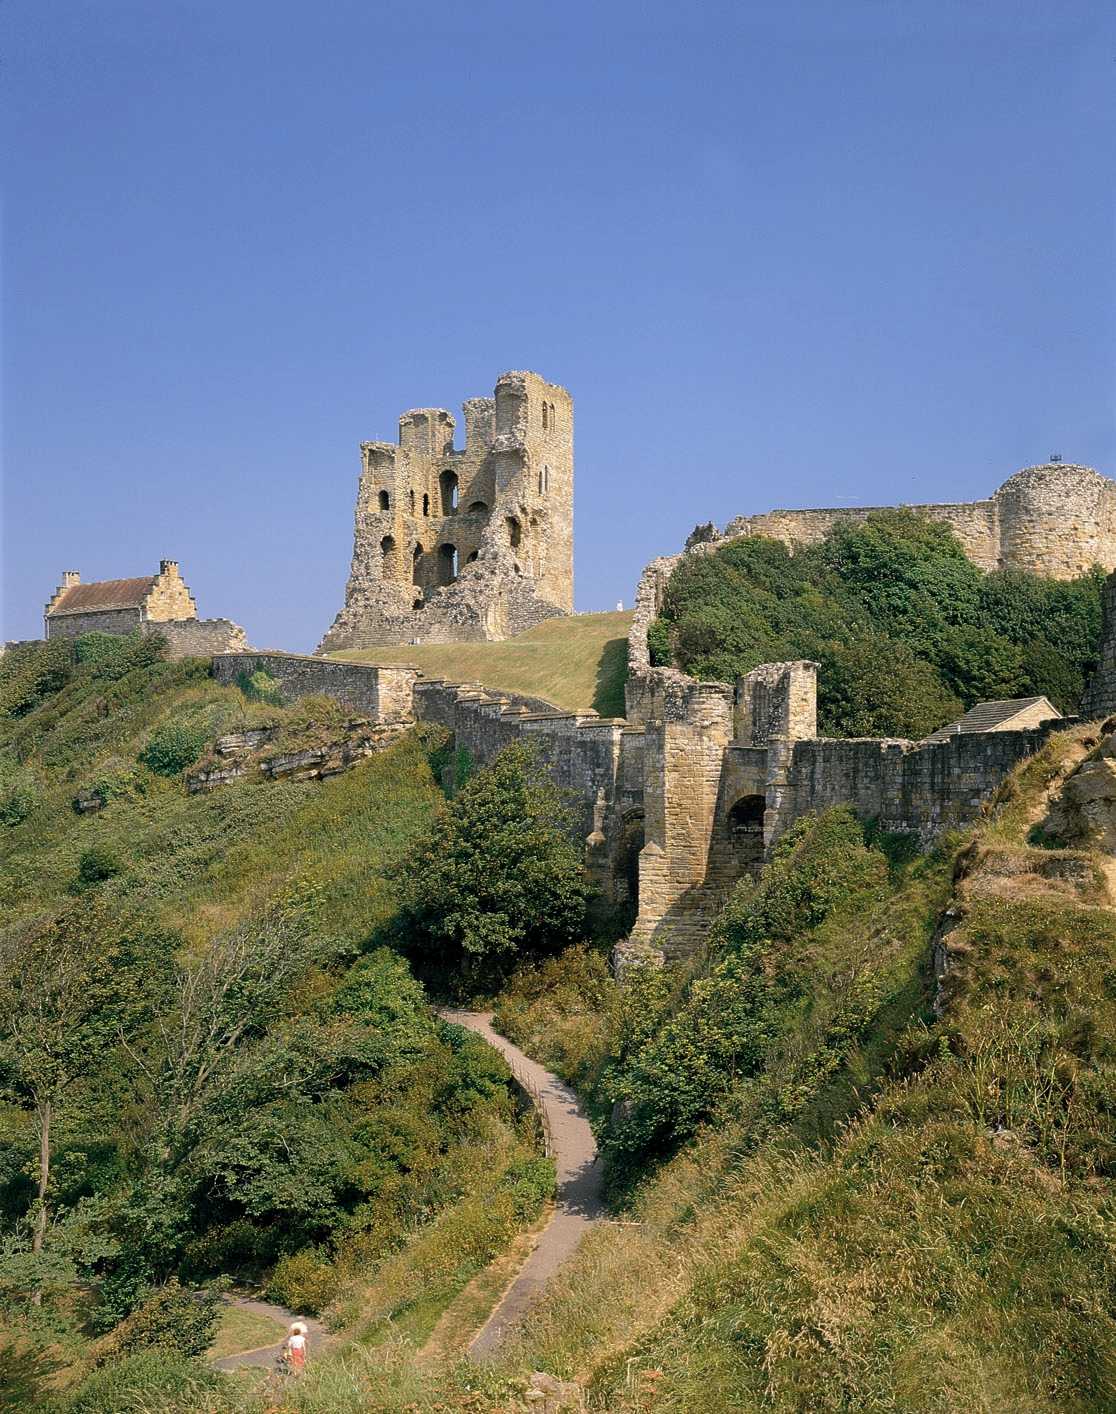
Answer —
461 545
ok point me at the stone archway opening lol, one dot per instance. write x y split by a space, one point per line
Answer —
626 865
388 556
448 485
447 564
745 832
515 532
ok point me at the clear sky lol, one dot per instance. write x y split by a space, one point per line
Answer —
828 252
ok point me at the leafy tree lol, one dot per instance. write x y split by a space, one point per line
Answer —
498 875
907 631
70 992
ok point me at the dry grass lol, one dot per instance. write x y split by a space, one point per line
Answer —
576 662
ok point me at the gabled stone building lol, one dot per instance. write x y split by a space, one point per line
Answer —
154 603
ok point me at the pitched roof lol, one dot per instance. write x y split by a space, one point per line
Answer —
104 594
988 716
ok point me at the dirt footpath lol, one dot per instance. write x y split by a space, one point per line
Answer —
578 1202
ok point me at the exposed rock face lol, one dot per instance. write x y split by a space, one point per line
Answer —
1085 812
243 754
461 545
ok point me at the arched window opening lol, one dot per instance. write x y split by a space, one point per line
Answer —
544 416
472 557
515 532
447 564
412 503
449 491
426 505
390 562
385 501
544 480
478 508
745 829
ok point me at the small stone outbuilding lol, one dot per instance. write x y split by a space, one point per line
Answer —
155 603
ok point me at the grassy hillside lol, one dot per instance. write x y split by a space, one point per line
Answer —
576 662
239 1080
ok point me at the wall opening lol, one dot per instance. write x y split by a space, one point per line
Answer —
448 481
417 566
469 560
544 481
625 871
447 564
412 503
478 508
390 560
515 532
385 501
544 417
426 505
745 830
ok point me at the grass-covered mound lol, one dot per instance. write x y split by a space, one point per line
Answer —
201 1028
577 661
907 632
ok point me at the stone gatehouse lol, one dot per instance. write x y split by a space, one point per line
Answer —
464 544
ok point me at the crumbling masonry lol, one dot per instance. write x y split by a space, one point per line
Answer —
458 545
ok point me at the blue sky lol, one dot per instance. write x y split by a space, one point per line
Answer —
780 253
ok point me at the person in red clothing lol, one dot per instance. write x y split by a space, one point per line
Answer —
294 1351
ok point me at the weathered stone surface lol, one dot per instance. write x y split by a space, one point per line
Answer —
464 545
382 694
1054 519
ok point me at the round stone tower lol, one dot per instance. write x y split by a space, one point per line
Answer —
1056 520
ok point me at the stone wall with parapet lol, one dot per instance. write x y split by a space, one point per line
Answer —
1100 695
199 638
1054 519
908 787
385 694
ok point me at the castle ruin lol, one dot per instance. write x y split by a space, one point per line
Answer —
464 544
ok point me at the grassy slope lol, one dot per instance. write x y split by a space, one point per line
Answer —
575 662
199 863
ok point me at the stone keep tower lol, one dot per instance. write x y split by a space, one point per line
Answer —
457 545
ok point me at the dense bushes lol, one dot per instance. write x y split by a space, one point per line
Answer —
907 632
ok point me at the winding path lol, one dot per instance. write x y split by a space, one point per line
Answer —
265 1356
578 1203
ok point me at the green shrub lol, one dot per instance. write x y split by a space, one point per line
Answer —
108 656
148 1382
174 746
498 876
20 792
530 1181
305 1282
907 632
171 1318
98 863
32 672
